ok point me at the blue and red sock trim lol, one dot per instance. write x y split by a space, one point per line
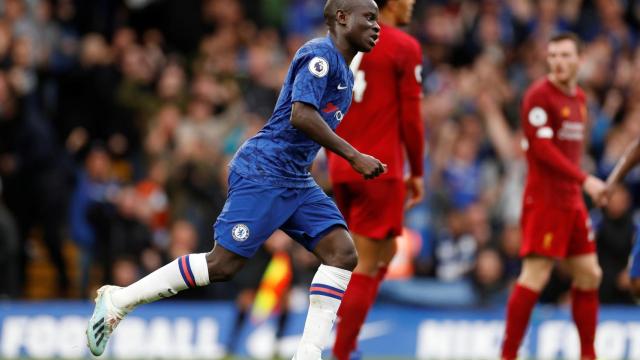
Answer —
326 290
185 271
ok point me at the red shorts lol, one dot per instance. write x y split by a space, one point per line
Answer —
555 232
373 208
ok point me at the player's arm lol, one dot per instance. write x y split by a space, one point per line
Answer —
411 126
630 159
306 118
540 133
312 74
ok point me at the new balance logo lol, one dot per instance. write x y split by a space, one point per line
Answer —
98 331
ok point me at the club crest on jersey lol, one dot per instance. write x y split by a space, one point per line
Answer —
537 116
319 67
240 232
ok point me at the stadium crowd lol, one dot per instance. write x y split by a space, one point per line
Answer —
117 120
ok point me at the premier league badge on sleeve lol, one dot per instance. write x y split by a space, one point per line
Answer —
319 67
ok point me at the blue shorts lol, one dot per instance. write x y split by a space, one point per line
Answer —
634 269
253 211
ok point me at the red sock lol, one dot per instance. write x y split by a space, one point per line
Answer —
519 307
352 313
584 308
382 272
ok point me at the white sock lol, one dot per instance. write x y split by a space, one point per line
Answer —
325 295
188 271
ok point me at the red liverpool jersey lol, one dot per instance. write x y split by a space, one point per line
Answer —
384 117
554 126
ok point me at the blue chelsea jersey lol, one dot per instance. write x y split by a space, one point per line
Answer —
279 154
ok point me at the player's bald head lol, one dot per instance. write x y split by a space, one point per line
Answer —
332 7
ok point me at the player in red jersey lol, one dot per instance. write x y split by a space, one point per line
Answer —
384 120
555 223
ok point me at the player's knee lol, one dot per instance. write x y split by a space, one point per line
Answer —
535 273
589 278
596 276
345 258
593 276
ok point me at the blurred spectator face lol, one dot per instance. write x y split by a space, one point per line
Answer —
65 10
511 239
22 54
563 60
130 206
471 127
159 172
13 9
260 61
5 38
153 37
548 9
125 272
478 222
609 9
223 12
135 66
619 202
98 164
465 150
123 39
172 82
184 239
456 223
489 29
163 129
5 91
199 110
43 11
168 118
440 25
94 50
597 65
488 267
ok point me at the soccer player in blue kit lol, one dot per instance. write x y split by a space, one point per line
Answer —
630 159
270 188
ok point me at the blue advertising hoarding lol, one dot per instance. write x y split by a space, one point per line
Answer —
201 329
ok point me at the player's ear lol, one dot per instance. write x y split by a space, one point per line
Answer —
341 17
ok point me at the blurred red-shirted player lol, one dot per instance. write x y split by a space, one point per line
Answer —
555 222
384 119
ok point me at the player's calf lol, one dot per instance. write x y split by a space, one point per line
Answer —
223 264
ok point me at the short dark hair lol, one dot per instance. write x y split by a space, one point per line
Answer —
381 3
567 35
